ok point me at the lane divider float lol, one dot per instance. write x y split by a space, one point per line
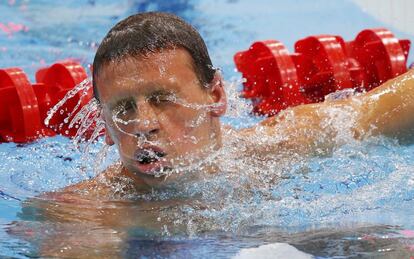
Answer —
24 106
275 79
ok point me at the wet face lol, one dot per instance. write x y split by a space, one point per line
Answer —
158 114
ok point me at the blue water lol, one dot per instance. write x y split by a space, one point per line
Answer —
325 206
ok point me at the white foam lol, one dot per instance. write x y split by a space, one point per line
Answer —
272 251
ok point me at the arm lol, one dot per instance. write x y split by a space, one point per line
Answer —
386 110
389 109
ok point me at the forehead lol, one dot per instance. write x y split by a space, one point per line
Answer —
168 69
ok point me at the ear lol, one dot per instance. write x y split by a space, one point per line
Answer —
218 95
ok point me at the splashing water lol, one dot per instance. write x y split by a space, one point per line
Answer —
256 184
87 120
82 88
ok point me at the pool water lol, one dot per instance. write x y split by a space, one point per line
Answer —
356 202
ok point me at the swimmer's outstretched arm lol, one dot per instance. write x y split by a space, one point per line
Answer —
387 110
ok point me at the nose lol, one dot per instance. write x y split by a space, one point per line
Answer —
147 124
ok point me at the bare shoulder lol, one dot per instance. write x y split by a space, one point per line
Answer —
112 183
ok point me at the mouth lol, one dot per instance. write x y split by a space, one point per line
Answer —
149 160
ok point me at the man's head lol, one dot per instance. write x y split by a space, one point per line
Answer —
160 95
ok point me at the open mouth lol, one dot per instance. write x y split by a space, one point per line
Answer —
147 156
149 160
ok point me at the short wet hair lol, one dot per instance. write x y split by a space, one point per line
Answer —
144 33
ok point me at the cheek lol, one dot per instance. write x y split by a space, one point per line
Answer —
124 142
126 145
182 125
173 123
111 129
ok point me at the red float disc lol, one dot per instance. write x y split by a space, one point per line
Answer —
23 120
330 64
381 55
54 84
246 64
270 76
281 79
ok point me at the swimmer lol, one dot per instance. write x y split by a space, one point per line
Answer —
162 99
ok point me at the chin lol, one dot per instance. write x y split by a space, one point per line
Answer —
157 182
151 177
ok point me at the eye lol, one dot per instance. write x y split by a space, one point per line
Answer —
125 106
162 98
128 105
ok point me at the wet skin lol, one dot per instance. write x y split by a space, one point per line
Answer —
158 114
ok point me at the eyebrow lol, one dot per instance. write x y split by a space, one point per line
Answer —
162 92
156 92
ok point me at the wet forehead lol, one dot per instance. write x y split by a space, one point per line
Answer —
169 69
